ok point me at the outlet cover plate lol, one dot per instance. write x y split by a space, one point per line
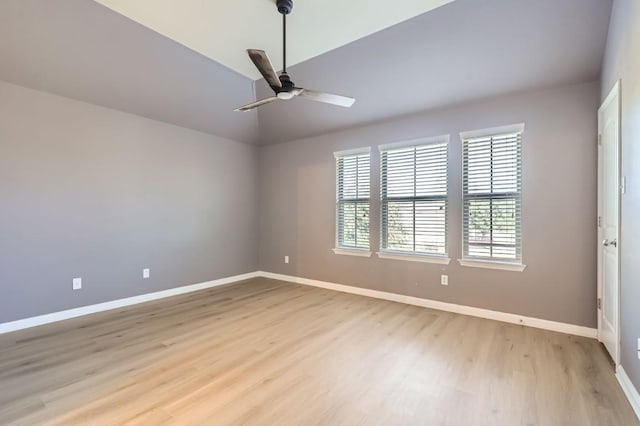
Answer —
77 283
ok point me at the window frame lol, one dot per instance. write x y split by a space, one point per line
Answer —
339 248
416 256
516 265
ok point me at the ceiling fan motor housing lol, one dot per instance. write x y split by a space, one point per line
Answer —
286 82
284 6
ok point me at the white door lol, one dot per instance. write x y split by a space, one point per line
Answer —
608 222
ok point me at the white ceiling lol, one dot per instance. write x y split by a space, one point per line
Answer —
222 30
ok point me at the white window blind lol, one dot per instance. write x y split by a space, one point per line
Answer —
353 194
414 199
492 181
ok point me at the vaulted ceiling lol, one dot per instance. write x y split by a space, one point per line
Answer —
467 50
82 50
223 30
185 63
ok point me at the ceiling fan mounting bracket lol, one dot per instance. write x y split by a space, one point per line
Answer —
284 6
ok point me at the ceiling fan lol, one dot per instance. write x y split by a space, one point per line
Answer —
282 86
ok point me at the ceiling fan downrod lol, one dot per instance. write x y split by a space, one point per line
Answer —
284 7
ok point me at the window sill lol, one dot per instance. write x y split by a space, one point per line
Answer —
352 252
442 260
487 264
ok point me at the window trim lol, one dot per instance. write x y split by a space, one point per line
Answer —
492 264
355 151
345 250
492 131
352 252
483 262
415 142
414 256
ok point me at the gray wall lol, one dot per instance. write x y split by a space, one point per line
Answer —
623 62
297 202
95 193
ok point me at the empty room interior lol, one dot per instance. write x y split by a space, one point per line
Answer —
296 212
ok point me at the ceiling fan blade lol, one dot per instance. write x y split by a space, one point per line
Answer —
328 98
262 62
256 104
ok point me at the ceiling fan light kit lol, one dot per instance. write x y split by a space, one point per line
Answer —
282 86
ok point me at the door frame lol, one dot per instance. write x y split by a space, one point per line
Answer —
613 96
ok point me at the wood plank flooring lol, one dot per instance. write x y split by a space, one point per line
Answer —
271 353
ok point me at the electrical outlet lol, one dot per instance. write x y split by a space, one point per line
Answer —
286 259
146 273
444 279
77 283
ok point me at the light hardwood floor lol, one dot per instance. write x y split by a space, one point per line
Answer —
273 353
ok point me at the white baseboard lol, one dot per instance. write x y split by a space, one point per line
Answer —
629 390
8 327
443 306
432 304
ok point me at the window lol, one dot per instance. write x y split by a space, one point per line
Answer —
414 198
352 201
492 182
